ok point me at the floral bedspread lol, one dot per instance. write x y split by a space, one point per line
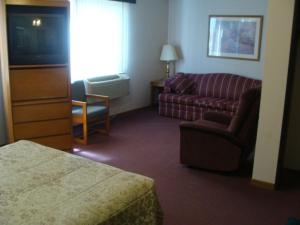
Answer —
44 186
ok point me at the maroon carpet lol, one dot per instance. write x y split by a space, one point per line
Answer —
148 144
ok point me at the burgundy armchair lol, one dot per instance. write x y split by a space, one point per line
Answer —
218 141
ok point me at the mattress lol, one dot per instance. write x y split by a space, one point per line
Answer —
45 186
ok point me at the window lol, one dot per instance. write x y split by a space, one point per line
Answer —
98 38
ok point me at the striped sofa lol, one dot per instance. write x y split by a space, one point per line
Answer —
207 92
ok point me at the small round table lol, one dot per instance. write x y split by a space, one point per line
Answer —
157 87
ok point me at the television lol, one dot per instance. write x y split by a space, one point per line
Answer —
37 35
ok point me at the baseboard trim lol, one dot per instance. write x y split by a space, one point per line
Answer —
263 184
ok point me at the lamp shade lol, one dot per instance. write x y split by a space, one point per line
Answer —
168 53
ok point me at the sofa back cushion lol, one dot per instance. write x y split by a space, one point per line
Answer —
220 85
181 85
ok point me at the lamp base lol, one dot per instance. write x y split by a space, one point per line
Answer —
167 70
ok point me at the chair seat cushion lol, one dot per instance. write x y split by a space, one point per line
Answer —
92 110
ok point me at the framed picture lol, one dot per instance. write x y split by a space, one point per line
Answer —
236 37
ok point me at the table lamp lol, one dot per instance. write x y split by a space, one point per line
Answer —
168 54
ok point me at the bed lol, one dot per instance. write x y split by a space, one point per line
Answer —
44 186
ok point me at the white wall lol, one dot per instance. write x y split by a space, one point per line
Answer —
148 22
188 30
278 39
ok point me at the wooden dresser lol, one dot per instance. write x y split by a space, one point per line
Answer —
40 102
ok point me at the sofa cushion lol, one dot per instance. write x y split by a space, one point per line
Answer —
185 112
220 85
92 110
217 103
181 85
178 99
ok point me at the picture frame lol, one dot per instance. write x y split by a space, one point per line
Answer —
235 37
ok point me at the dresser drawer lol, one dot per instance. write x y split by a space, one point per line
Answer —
42 129
62 142
38 84
50 111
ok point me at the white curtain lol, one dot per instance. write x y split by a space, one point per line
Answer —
98 38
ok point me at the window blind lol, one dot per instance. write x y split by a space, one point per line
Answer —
99 32
129 1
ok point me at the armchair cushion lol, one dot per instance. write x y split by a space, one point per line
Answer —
217 103
92 110
209 127
204 124
245 104
218 117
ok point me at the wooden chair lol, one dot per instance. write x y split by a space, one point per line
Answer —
88 108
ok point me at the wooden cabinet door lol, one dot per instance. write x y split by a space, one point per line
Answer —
39 83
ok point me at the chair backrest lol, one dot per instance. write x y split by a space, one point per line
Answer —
244 122
78 91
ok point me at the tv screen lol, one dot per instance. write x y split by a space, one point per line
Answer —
37 35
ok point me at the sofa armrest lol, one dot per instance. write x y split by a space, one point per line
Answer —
167 90
218 117
167 87
167 83
211 128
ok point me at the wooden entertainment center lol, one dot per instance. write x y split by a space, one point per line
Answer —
38 102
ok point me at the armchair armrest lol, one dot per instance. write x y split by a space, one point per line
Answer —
78 103
78 118
100 97
97 96
211 128
218 117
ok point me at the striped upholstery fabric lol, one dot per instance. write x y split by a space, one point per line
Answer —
182 85
168 82
210 92
185 112
178 99
217 103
